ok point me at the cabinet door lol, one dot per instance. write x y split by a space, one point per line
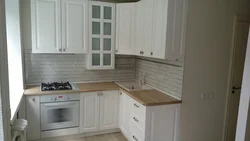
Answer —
147 26
125 28
176 30
74 26
158 49
102 35
124 114
109 105
89 112
139 28
46 26
33 117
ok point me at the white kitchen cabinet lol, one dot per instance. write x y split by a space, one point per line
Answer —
151 123
101 53
125 28
33 116
170 42
46 26
109 110
160 29
99 111
89 112
59 26
74 26
124 114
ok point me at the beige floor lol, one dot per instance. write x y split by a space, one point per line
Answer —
106 137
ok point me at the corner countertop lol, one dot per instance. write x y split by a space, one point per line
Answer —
145 97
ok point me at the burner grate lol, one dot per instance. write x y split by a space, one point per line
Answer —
56 86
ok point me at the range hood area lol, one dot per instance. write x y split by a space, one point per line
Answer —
118 1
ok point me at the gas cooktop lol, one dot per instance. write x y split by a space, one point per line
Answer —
56 86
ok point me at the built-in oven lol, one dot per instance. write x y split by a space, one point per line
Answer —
59 111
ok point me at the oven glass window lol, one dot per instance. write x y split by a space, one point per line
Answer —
60 115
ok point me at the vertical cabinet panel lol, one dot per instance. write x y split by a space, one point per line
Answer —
124 114
33 117
125 28
89 114
46 26
109 105
74 26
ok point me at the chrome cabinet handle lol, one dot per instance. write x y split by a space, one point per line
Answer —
142 52
136 119
151 53
136 105
235 88
135 138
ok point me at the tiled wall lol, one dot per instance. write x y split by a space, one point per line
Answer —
49 68
171 82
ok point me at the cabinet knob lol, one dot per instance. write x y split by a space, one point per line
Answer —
33 99
64 49
151 53
116 50
60 50
142 52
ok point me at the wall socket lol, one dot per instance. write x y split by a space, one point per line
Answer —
207 96
160 77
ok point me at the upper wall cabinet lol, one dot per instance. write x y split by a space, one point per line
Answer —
59 26
101 53
159 31
125 28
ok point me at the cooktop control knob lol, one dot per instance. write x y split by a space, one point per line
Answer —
53 98
67 98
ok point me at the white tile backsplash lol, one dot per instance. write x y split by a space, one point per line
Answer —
171 80
70 67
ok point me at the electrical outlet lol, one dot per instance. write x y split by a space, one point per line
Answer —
160 77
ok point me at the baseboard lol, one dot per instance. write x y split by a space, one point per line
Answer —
81 135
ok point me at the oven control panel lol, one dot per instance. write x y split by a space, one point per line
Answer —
59 97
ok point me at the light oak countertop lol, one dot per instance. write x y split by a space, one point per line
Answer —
145 97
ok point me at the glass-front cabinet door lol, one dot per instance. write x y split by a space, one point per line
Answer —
102 30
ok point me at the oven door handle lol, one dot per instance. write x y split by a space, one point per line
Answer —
60 104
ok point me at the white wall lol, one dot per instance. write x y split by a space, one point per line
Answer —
208 46
14 53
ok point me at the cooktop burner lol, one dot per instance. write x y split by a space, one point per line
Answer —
56 86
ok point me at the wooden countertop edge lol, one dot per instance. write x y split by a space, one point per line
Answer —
116 87
151 104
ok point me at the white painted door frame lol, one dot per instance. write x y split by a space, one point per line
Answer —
4 83
237 19
244 99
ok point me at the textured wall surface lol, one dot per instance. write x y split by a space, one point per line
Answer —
165 77
51 67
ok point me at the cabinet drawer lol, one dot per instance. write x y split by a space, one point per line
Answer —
137 121
136 133
138 109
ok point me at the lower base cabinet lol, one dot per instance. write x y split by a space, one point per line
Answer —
148 123
99 111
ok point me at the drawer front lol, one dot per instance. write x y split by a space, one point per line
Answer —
136 133
137 121
138 109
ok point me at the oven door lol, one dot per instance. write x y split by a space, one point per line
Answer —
59 115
